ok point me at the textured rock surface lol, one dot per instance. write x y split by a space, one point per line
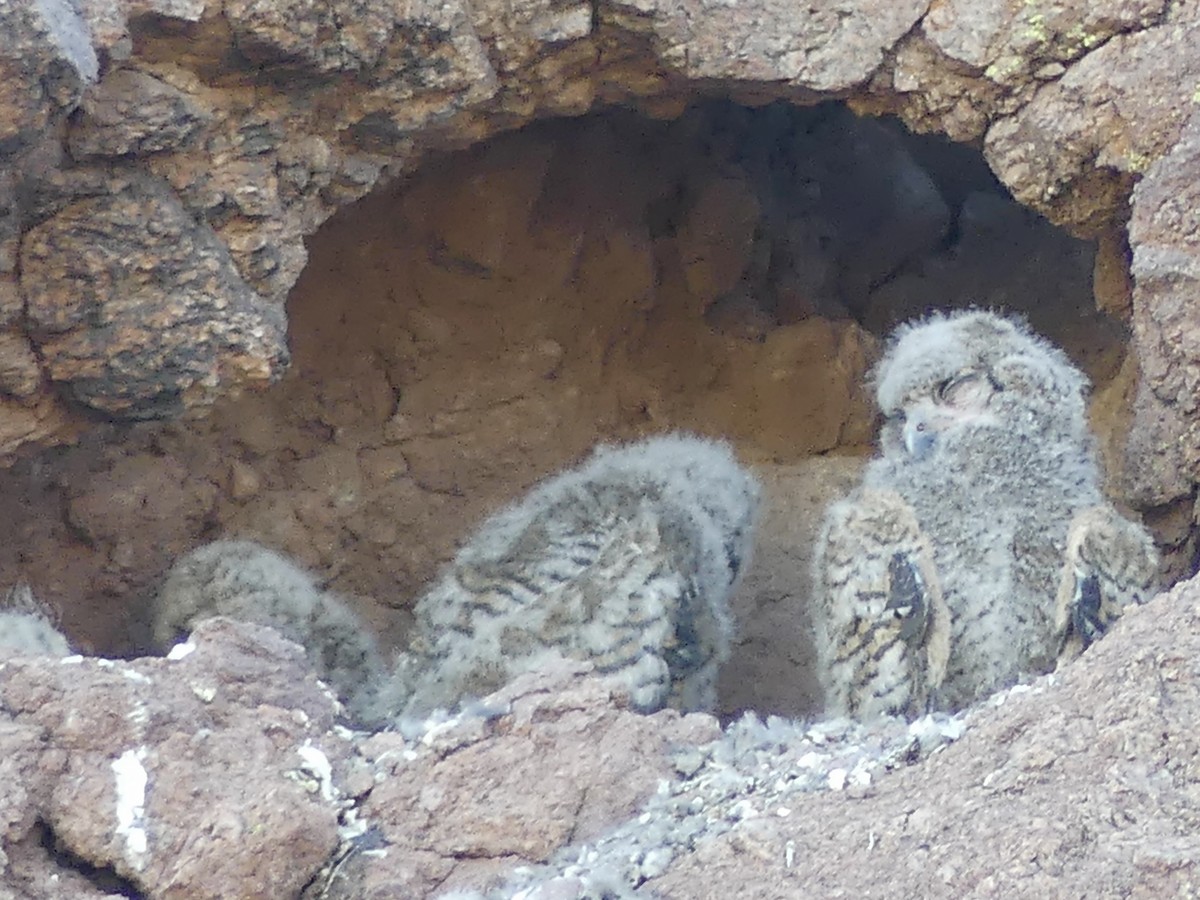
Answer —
831 49
264 119
136 307
484 323
171 777
1165 234
1085 778
1085 783
559 760
163 162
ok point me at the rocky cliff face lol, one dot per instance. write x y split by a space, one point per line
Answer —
222 772
462 242
238 129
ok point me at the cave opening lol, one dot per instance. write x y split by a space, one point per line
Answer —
480 324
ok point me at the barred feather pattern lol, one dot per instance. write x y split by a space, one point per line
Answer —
626 561
882 631
1110 564
986 441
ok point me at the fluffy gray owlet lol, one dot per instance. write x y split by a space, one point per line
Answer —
626 561
28 626
980 547
246 581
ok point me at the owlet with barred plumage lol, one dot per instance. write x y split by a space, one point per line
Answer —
979 548
626 561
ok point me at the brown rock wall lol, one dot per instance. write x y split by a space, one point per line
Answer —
1166 266
1074 105
482 324
177 778
1084 785
139 309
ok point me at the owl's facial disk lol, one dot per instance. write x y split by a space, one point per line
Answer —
955 403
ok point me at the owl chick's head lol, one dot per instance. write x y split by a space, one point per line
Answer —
240 579
727 492
697 474
953 372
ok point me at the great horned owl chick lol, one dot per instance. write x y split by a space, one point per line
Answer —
246 581
985 502
626 561
28 627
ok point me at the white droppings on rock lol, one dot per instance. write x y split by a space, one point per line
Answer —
71 660
316 763
181 650
656 862
809 760
132 779
756 766
351 826
743 809
205 693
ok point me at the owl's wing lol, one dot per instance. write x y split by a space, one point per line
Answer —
604 590
634 601
1110 564
882 627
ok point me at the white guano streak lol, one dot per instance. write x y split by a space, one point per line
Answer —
316 763
131 780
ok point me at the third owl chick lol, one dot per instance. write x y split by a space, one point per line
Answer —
28 627
627 561
246 581
993 501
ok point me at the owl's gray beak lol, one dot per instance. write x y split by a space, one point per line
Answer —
919 434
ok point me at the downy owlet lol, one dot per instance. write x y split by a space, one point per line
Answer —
246 581
980 547
626 561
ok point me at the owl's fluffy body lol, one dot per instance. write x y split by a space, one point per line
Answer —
626 561
246 581
28 627
986 441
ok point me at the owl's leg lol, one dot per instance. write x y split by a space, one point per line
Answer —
1110 563
882 626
